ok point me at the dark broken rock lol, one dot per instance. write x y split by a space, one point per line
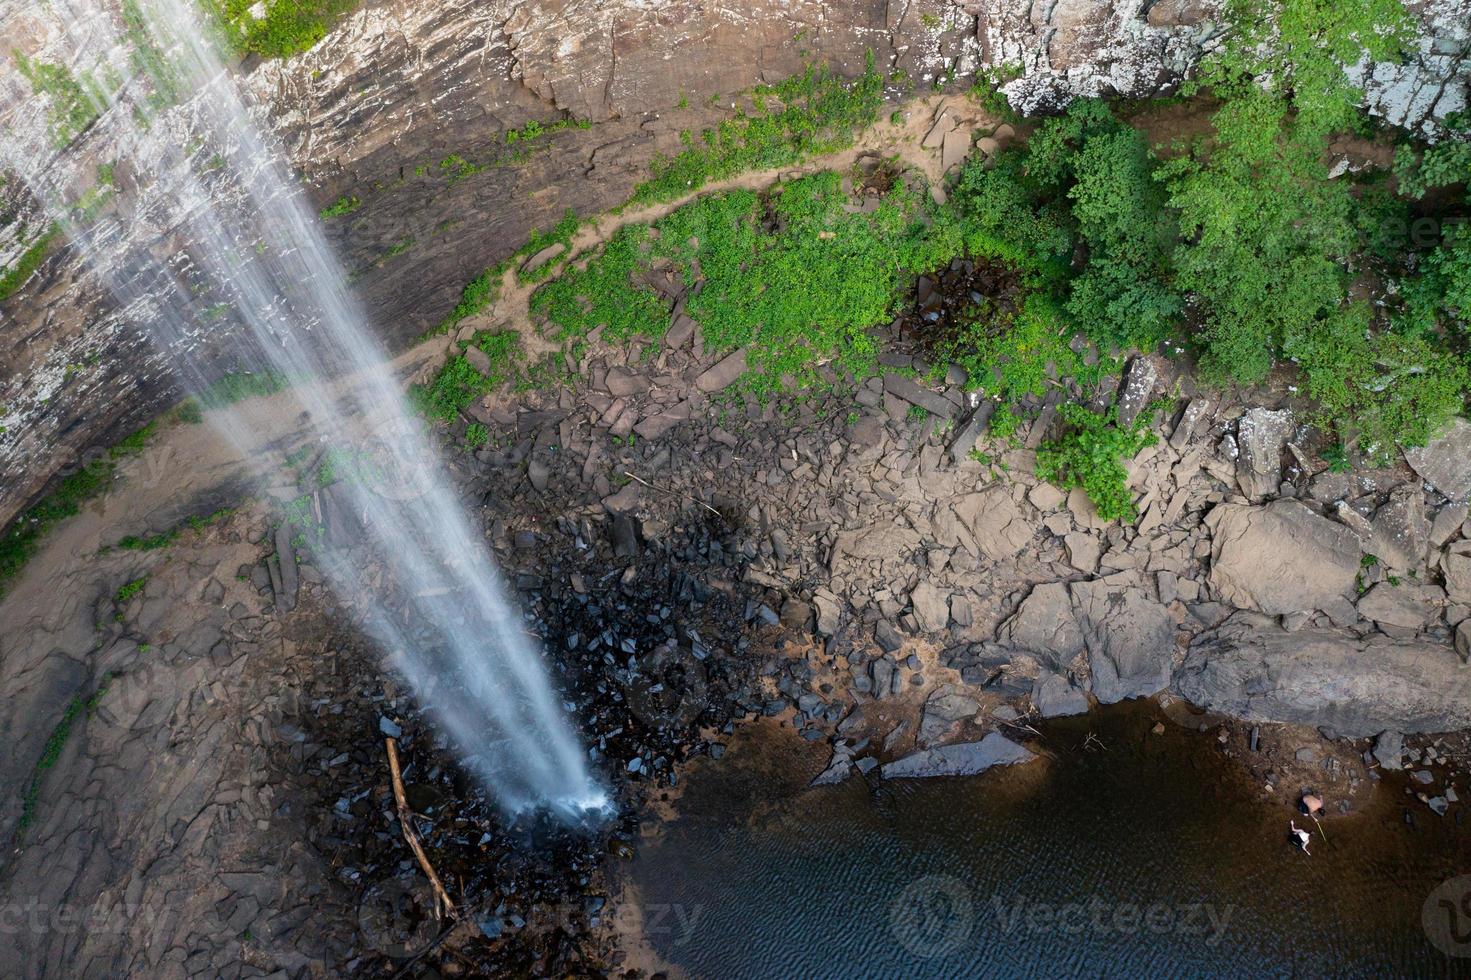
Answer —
961 759
1280 558
1139 382
1054 696
625 532
837 770
931 607
796 615
887 637
1130 637
623 383
539 474
1261 435
829 613
1251 668
286 567
946 707
969 431
724 373
1445 463
1045 626
1463 640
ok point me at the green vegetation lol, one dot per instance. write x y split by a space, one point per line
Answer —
164 539
820 112
1088 455
13 278
73 105
460 382
240 385
51 753
289 26
129 589
346 204
535 129
89 480
476 435
148 59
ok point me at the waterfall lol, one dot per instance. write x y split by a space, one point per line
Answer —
205 242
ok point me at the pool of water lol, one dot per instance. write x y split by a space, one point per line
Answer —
1148 856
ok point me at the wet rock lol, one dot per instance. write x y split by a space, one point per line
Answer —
1445 463
838 769
796 615
1252 668
286 567
1054 696
1253 569
887 637
1463 640
961 759
944 709
625 534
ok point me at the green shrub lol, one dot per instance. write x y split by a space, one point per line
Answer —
289 26
346 204
476 435
1088 455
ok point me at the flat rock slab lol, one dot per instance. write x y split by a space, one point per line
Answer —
1044 625
724 373
1445 463
1252 668
907 389
960 759
885 542
1000 528
1280 558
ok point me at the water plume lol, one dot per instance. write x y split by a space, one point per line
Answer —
204 241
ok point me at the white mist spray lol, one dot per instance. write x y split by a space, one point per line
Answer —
213 232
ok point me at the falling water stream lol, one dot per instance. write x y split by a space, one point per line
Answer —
207 244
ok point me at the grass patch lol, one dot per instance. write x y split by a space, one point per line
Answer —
129 589
459 383
818 112
51 753
30 260
346 204
23 538
164 539
240 385
74 103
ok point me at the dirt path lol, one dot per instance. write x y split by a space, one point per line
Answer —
903 140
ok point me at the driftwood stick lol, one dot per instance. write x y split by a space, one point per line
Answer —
672 493
441 897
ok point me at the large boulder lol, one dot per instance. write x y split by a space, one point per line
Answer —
1045 626
1445 463
1130 637
1252 668
996 521
1280 558
960 759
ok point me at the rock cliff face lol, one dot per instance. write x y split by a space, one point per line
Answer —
402 85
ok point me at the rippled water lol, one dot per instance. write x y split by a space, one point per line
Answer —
1149 858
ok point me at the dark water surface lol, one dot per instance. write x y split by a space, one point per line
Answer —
1149 858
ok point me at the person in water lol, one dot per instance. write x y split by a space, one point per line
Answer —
1301 837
